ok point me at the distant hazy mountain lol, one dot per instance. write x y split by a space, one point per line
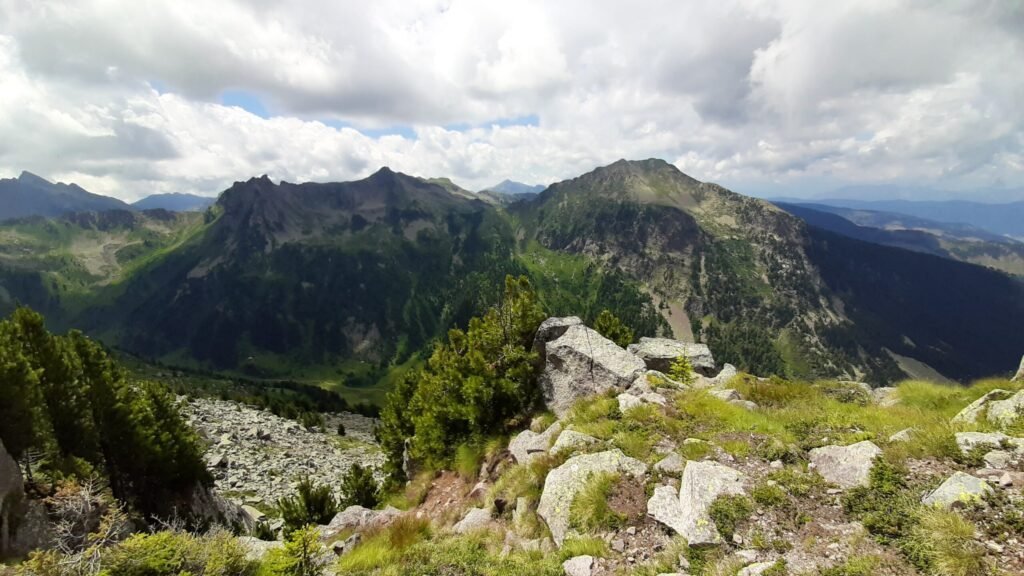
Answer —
1004 219
30 195
512 187
175 202
954 241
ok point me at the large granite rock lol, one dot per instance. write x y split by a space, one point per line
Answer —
958 489
475 519
551 329
528 445
358 518
659 353
845 466
11 493
564 483
688 511
583 363
1006 412
1019 377
972 411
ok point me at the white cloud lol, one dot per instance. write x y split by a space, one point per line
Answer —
782 95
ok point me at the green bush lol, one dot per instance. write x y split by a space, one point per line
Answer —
174 553
359 488
886 506
681 370
770 495
481 383
859 566
728 512
609 326
310 505
302 555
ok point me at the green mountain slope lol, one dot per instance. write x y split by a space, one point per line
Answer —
345 284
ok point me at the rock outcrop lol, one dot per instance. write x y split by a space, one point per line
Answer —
11 494
475 519
528 445
1019 377
551 329
1006 412
958 489
582 363
688 511
571 441
659 353
973 411
845 466
358 518
564 483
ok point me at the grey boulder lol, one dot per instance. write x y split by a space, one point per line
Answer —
571 441
1019 377
578 566
551 329
563 484
958 489
688 511
528 445
845 466
475 519
1006 412
582 363
659 353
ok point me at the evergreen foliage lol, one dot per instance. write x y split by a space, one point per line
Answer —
67 401
609 326
681 370
481 382
311 504
359 488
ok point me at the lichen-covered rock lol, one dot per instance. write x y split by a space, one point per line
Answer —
1006 412
563 483
688 512
551 329
528 445
578 566
659 353
845 466
582 363
627 402
756 569
960 488
967 441
358 518
973 410
475 519
571 441
671 464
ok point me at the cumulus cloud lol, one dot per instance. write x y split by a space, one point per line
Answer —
780 96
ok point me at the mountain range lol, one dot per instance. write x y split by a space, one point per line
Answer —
1006 219
31 195
348 283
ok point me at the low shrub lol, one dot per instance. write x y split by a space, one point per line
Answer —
728 512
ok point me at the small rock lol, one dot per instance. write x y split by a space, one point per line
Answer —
902 436
578 566
475 519
570 441
726 395
885 396
618 545
631 530
671 464
627 402
998 459
529 445
776 465
756 569
960 488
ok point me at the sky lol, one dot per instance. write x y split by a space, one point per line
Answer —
798 98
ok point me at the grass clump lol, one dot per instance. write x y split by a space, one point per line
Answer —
310 505
942 542
886 506
590 509
859 566
573 547
770 495
468 458
385 547
728 512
